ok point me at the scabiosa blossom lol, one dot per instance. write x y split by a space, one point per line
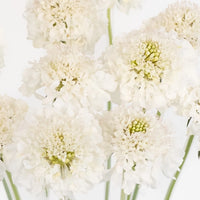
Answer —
189 107
75 78
142 146
56 151
11 113
182 17
66 22
152 67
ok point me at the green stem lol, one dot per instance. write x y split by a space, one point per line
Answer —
123 196
129 197
7 189
109 26
109 107
176 175
108 182
135 193
14 188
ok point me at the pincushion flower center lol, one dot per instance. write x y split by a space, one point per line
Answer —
67 74
147 65
138 125
57 152
58 16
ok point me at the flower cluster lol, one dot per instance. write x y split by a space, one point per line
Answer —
64 147
66 154
184 19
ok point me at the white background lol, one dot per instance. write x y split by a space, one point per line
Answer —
19 52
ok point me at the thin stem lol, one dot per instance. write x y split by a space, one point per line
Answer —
123 196
176 175
109 26
14 188
7 189
108 182
129 197
109 107
46 193
135 193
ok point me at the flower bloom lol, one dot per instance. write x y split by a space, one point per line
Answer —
64 22
53 150
142 146
182 17
11 113
75 78
189 106
152 67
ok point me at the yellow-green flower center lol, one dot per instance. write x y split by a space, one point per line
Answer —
57 153
138 125
53 160
147 65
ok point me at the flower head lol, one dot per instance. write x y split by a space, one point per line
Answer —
11 113
141 144
75 78
60 22
189 107
182 17
56 151
152 67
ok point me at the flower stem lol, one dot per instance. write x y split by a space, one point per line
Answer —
176 175
123 196
109 25
109 107
135 193
14 188
129 197
7 189
108 182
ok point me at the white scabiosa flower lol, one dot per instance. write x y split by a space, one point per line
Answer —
75 78
55 151
182 17
11 113
189 107
142 146
152 67
66 22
